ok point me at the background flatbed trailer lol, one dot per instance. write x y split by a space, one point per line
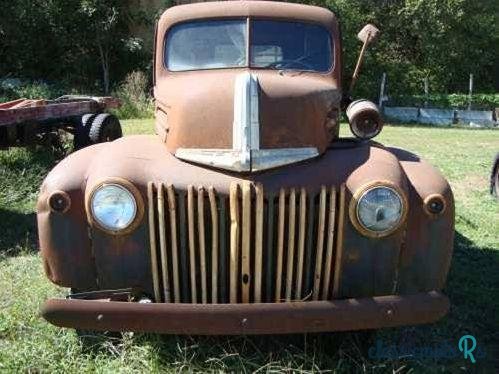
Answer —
27 122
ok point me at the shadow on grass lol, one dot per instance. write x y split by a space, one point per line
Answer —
17 233
473 288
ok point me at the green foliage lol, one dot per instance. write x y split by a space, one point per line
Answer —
134 97
89 46
442 40
30 90
83 44
478 101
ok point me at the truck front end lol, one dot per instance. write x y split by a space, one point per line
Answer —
247 214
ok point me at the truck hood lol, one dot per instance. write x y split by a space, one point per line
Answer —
246 120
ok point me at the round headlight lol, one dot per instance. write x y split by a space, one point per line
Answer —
380 210
113 207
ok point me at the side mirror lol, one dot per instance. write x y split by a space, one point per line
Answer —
367 35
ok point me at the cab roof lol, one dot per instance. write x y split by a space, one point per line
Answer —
245 8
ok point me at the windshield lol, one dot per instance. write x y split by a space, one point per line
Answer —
206 45
290 45
273 45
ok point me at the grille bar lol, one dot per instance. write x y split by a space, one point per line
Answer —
246 236
339 244
320 243
270 260
280 245
291 243
258 242
192 241
329 245
234 241
202 248
162 241
209 248
152 242
301 243
174 241
214 245
183 247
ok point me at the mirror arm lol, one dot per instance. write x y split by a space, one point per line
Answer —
359 63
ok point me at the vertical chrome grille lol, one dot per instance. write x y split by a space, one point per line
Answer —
247 247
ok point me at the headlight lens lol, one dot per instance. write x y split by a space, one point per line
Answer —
113 207
380 209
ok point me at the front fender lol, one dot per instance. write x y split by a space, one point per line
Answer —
427 249
64 237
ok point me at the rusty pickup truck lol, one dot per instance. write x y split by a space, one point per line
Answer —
247 213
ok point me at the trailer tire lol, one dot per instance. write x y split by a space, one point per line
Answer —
105 128
81 137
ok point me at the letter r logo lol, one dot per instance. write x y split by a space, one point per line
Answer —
467 345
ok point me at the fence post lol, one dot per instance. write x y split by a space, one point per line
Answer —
426 91
382 92
470 95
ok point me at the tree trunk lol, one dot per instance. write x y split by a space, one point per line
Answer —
104 58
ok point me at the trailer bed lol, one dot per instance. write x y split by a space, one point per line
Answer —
25 110
25 122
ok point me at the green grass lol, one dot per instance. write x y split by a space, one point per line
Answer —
28 344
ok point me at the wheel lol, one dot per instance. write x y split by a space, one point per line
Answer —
81 137
105 128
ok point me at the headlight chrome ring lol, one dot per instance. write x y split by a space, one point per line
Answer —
124 203
390 190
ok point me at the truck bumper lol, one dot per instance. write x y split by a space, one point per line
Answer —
236 319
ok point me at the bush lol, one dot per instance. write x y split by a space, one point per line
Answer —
133 92
478 101
12 89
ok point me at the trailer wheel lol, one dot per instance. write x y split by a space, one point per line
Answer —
105 128
81 137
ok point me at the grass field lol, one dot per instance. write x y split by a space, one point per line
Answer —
30 345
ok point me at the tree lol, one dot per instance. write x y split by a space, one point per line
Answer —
107 27
76 43
88 44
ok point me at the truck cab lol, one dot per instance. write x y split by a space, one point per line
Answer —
269 88
247 213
